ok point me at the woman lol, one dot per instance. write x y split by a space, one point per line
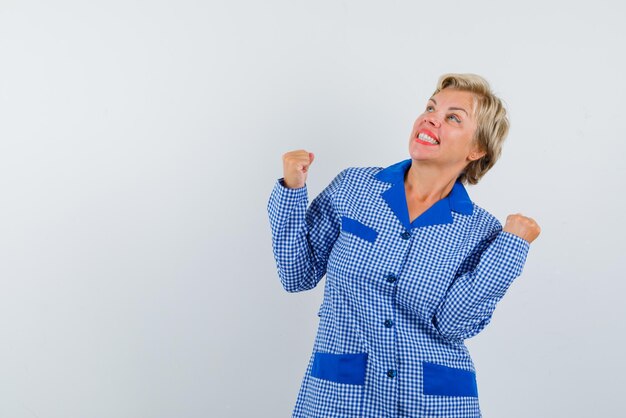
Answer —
412 266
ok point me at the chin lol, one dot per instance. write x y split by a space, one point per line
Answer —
417 154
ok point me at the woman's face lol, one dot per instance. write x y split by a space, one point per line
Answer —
444 134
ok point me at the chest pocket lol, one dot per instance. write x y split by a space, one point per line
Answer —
355 227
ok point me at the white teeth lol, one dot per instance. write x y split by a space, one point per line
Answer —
428 139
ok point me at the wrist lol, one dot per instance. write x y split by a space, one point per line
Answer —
285 183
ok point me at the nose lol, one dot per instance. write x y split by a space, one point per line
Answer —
432 119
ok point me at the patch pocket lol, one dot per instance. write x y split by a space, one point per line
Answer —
448 381
357 228
340 368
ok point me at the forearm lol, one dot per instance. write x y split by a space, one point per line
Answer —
469 303
300 266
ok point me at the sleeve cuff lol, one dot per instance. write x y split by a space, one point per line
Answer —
283 201
281 181
283 192
513 249
521 242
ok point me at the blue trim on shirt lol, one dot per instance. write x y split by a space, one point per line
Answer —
448 381
440 213
340 368
357 228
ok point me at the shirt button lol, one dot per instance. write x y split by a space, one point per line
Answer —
388 323
391 278
405 235
391 373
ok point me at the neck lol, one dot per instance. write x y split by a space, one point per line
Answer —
427 183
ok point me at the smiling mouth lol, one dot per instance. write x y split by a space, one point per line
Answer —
427 138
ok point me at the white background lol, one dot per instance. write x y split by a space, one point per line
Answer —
139 142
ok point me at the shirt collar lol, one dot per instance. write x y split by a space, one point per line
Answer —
457 200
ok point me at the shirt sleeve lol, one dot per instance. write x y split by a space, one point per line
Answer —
485 277
303 238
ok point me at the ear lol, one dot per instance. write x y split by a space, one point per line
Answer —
476 155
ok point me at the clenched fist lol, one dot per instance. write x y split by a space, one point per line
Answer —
522 226
295 168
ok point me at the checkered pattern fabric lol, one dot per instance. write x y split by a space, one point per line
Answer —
404 293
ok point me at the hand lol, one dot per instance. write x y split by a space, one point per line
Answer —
295 168
522 226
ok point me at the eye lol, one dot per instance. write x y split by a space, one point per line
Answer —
430 108
454 118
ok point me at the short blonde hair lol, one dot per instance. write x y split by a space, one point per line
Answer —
492 122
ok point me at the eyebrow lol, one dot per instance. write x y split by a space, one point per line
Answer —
451 108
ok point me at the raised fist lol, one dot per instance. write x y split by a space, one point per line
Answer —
522 226
295 168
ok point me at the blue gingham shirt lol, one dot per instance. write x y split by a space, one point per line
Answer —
399 298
